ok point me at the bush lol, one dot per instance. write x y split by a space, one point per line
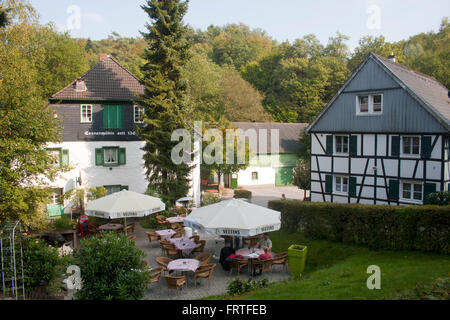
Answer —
439 198
210 198
150 221
39 262
110 268
242 194
238 287
63 223
438 290
423 228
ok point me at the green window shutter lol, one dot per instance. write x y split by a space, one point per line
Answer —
395 146
352 186
394 186
106 110
353 146
426 147
123 188
329 184
119 117
122 156
329 150
99 155
64 158
428 189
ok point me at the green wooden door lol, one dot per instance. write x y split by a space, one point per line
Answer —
284 176
234 181
55 210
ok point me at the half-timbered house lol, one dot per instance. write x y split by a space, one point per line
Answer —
383 138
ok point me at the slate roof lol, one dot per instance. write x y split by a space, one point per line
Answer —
427 88
429 92
107 80
289 133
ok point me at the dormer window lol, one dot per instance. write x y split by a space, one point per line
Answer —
80 86
369 104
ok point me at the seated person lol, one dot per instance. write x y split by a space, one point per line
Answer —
224 254
265 242
264 256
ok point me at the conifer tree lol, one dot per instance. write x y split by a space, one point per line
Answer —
165 97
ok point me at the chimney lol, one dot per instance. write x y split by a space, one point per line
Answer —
103 56
392 57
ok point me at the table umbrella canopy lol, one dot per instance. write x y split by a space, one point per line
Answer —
234 217
124 204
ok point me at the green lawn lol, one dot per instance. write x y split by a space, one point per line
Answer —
338 271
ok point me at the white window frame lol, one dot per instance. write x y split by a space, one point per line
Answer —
117 156
411 198
335 182
370 109
134 113
81 83
86 120
342 144
410 155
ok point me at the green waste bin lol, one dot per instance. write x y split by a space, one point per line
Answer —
297 259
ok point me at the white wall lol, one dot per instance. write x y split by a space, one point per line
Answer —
266 175
82 162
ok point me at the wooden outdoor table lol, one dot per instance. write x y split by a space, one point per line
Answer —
111 227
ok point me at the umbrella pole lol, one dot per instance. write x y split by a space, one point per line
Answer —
125 226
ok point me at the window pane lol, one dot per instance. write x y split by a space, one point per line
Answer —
417 192
345 145
364 103
110 155
377 103
338 183
345 184
416 143
406 145
407 191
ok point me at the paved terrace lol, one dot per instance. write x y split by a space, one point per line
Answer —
204 289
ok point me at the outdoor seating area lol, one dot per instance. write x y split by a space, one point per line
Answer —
182 258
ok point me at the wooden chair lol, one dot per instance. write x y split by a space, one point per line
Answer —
264 265
153 236
163 242
280 259
175 282
175 225
161 220
171 250
204 258
195 238
163 262
201 246
178 235
132 238
155 276
131 226
145 264
204 272
238 264
127 230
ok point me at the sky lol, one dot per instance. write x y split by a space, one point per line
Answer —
282 19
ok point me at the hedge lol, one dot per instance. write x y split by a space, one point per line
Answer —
242 194
423 228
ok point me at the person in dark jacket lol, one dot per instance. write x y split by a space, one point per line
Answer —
224 254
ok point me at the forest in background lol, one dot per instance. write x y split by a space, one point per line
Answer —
235 70
242 74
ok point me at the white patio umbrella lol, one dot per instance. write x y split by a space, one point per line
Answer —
124 204
234 217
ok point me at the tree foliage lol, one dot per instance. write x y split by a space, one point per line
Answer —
165 99
26 124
